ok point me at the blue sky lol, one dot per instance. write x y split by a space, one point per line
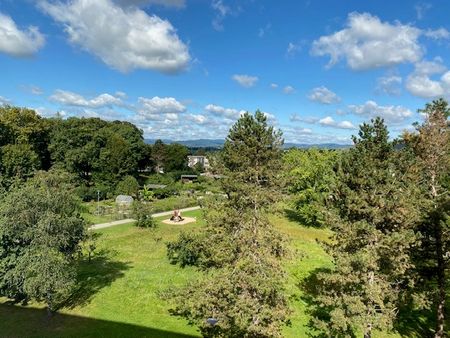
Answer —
185 69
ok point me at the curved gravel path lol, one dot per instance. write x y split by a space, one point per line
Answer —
130 220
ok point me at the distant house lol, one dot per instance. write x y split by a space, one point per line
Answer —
188 178
193 160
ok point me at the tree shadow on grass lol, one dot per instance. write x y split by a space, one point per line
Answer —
415 323
17 321
311 287
296 217
101 271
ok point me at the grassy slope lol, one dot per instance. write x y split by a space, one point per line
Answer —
121 288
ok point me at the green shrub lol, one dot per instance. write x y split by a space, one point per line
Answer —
143 214
186 250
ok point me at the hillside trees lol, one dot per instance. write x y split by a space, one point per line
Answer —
241 295
373 214
40 233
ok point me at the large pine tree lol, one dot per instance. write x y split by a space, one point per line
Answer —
432 148
372 214
242 293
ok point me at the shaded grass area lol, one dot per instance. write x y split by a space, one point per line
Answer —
121 292
30 322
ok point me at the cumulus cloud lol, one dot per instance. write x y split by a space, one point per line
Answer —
390 85
273 85
246 81
166 3
323 95
368 43
73 99
330 122
392 114
17 42
160 105
420 82
197 118
229 113
288 90
123 38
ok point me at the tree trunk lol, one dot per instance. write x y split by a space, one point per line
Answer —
440 315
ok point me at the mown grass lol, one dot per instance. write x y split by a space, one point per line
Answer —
108 210
121 290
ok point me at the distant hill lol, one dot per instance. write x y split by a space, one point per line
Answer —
218 143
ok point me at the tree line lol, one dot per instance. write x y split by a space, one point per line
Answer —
99 153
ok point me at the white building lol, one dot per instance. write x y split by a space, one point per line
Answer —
193 160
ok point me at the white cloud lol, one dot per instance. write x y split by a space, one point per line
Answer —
123 38
437 34
309 119
392 114
420 82
421 9
368 43
35 90
273 85
160 105
264 30
73 99
330 122
221 13
293 49
197 118
324 95
390 85
229 113
288 90
17 42
270 117
246 81
4 101
166 3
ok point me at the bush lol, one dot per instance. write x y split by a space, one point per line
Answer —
186 250
143 214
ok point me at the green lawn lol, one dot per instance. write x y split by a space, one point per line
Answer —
121 293
108 208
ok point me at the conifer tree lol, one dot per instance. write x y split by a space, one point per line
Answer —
373 215
241 294
432 148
